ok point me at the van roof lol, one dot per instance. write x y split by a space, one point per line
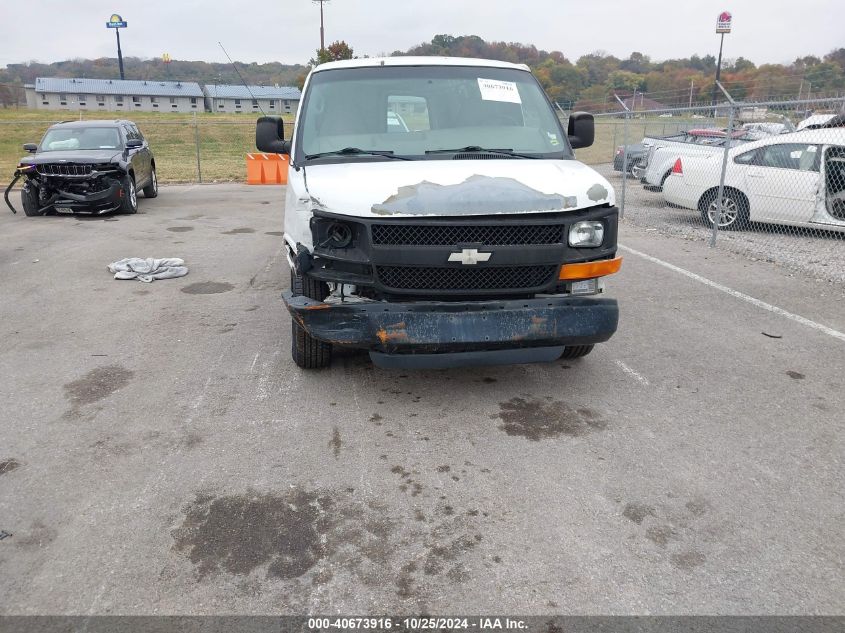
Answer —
418 61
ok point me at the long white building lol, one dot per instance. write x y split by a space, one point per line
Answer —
114 95
252 100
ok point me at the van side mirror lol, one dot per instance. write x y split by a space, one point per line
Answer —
30 147
582 130
134 143
270 135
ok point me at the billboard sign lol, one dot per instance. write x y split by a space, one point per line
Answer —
116 22
723 22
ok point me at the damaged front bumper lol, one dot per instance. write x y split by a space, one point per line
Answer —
95 202
447 334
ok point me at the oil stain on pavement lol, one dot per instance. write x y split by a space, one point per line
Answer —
207 288
8 465
539 420
239 231
322 537
667 526
180 229
97 384
238 534
336 443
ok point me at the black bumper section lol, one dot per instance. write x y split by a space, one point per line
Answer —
475 329
98 200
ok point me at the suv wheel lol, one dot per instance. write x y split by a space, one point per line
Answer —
307 351
129 203
151 190
29 199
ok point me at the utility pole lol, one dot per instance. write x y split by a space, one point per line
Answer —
691 83
322 30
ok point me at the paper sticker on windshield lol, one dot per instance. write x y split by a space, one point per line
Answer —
494 90
552 139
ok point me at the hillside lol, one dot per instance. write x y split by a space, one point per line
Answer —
589 81
155 69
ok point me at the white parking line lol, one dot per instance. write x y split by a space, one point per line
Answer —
739 295
633 373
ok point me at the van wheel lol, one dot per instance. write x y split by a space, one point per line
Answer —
576 351
307 351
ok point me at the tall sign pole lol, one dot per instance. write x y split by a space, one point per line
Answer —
723 25
322 30
116 22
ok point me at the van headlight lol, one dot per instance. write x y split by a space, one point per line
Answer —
589 233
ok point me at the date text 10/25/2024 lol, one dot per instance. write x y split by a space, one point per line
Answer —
416 623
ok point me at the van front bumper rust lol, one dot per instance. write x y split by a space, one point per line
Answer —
405 330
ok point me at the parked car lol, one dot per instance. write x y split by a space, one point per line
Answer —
638 152
88 166
814 121
795 179
657 165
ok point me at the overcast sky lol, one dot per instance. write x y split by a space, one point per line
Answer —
288 30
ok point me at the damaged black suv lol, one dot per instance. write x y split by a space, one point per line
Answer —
87 166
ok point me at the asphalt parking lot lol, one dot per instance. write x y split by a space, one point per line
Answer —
161 453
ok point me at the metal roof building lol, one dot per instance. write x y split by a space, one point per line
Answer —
270 99
57 93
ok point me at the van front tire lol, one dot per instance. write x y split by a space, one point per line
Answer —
571 352
308 352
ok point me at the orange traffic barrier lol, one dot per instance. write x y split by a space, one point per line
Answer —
266 169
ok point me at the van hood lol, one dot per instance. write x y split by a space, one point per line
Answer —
450 187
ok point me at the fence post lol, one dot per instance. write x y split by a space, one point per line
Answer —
613 149
624 156
720 196
197 143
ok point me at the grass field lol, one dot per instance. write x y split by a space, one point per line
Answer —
223 141
610 134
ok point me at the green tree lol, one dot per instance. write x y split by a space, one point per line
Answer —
332 53
624 80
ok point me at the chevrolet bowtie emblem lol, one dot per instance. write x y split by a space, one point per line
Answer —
469 257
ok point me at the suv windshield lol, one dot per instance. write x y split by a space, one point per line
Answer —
81 138
420 111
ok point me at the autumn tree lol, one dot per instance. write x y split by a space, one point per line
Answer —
332 53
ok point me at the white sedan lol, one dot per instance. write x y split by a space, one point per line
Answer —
795 179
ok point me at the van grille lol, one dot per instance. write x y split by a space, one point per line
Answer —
488 278
452 235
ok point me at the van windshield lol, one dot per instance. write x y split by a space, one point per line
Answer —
424 112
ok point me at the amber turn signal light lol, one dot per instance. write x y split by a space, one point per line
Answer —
590 270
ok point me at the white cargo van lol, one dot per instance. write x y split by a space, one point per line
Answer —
468 234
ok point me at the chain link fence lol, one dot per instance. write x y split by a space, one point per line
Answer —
188 149
763 179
